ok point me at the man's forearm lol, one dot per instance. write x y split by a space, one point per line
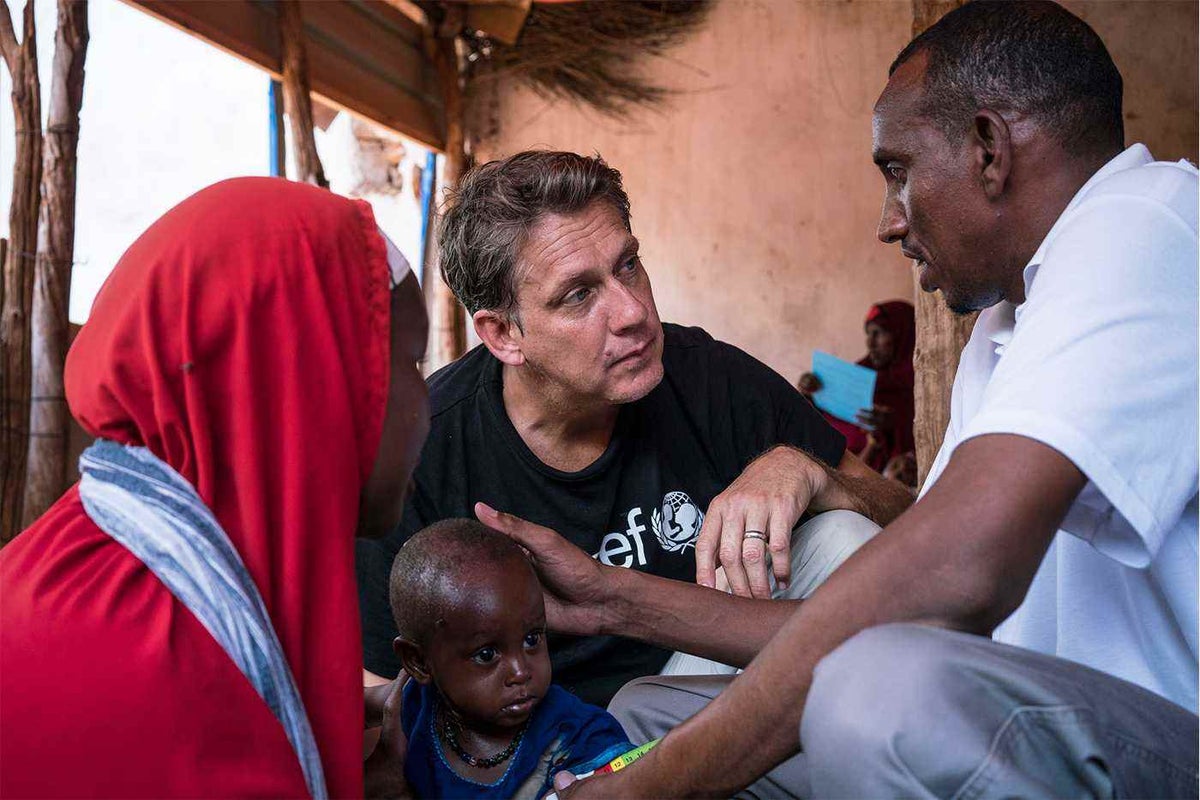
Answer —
755 723
875 497
724 748
695 619
961 560
723 627
854 486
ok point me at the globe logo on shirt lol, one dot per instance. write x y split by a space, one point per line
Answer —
679 523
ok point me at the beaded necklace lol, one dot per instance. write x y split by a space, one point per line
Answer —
450 728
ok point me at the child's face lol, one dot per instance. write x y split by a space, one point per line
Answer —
489 657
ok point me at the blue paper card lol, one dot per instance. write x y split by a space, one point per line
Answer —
846 388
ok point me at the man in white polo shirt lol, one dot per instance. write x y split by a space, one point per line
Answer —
1060 516
1099 363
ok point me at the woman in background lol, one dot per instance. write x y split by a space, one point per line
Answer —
885 438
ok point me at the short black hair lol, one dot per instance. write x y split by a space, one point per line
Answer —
489 215
433 570
1033 57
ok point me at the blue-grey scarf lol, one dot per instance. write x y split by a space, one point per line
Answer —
155 513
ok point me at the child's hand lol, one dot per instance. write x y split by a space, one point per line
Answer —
562 780
607 786
383 771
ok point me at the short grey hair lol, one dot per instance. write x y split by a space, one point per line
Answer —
490 214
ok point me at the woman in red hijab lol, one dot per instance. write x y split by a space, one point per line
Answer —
891 336
249 347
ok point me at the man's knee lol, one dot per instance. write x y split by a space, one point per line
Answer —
886 699
822 544
876 675
910 709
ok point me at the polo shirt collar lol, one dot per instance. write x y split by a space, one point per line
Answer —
1005 317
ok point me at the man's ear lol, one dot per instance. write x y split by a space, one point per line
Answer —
413 660
992 140
501 335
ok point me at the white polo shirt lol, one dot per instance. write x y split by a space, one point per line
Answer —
1100 363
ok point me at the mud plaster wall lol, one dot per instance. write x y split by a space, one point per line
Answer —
753 192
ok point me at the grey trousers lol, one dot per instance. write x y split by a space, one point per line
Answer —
913 711
819 546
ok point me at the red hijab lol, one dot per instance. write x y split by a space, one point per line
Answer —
244 340
894 383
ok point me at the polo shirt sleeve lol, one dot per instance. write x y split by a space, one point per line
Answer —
1102 367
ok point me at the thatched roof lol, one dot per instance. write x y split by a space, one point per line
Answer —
590 51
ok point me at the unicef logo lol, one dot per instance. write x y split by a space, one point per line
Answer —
679 523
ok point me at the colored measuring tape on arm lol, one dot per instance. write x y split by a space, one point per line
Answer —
622 761
619 763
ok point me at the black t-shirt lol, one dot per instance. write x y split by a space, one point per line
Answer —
639 505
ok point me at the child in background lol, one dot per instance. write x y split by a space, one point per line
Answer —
480 714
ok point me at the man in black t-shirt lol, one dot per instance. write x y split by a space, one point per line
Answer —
651 446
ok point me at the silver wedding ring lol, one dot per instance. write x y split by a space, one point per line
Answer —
762 537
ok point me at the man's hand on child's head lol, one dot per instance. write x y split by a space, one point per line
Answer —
575 586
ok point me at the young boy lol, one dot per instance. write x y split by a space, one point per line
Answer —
481 717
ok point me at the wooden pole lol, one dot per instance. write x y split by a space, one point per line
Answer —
447 317
49 418
941 334
941 337
296 99
16 289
